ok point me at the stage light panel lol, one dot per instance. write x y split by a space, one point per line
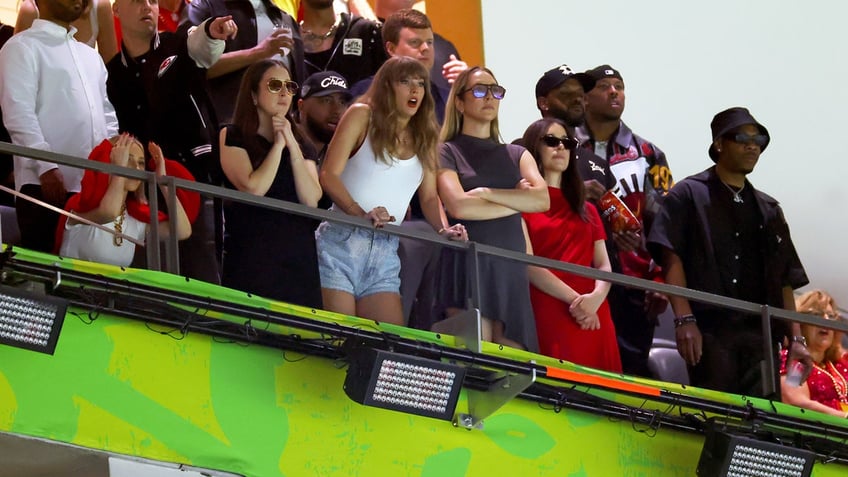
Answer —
30 320
737 456
403 383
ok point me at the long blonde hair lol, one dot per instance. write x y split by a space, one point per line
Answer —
452 126
384 112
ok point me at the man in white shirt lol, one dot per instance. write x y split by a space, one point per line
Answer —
53 97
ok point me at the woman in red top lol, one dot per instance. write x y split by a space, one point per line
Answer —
572 316
826 388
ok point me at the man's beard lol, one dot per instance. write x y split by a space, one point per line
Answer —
320 4
571 119
67 15
319 130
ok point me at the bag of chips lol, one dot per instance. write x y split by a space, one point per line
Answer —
616 212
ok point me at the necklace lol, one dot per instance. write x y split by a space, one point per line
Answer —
403 137
309 35
117 240
737 194
840 384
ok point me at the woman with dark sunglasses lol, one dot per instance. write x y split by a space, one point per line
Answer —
266 252
572 315
487 185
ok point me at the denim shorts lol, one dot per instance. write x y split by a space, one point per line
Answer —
357 260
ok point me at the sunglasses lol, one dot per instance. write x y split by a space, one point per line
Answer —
276 85
759 139
567 142
480 90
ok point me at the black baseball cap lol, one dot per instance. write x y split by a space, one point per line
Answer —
604 71
324 83
557 76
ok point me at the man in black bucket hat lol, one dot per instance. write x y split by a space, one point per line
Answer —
717 234
729 120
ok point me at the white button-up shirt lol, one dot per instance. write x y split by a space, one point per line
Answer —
53 95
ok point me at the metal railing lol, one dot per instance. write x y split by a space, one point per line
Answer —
472 249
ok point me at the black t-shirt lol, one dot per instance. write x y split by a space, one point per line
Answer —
740 238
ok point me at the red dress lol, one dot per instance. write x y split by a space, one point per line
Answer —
562 235
828 385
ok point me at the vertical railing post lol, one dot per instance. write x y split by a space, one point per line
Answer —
472 271
172 250
769 369
152 243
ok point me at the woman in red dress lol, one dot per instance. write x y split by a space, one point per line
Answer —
572 316
826 388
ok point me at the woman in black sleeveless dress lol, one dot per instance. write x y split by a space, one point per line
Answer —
269 253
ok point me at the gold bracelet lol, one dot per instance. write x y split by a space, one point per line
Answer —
347 209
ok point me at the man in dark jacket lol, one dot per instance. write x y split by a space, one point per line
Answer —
717 234
158 86
642 175
561 94
345 43
265 32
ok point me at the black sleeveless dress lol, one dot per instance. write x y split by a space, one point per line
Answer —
269 253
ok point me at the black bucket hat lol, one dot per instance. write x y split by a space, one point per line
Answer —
727 121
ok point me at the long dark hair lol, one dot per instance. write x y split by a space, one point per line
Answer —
571 184
246 115
381 98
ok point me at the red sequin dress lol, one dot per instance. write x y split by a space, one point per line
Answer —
828 384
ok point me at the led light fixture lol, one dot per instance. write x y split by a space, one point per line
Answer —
403 383
29 320
736 456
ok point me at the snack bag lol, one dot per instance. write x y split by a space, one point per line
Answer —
619 216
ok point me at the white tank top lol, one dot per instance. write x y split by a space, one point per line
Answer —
372 182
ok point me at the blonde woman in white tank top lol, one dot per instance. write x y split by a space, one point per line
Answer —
395 119
95 26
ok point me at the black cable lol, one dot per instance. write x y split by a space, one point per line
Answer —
183 313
